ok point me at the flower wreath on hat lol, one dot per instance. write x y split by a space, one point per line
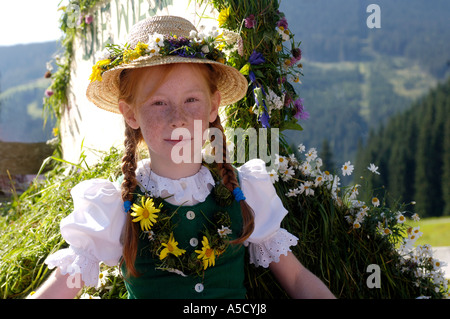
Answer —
208 45
177 41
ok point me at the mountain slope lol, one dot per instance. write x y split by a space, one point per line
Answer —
356 78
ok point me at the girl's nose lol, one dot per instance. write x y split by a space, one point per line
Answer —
177 118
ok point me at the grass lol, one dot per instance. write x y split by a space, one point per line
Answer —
436 231
29 223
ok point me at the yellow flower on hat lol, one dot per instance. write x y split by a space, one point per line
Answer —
141 48
171 247
96 74
207 254
145 213
223 16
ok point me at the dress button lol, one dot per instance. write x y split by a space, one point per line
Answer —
199 287
193 242
190 215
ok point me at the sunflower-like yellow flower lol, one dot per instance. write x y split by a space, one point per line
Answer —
207 254
171 247
223 16
145 213
96 74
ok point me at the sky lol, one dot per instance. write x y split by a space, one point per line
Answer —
29 21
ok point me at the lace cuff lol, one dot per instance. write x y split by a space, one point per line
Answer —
269 250
73 261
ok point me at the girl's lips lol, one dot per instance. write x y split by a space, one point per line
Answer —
174 142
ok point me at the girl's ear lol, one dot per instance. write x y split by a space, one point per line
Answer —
129 114
215 102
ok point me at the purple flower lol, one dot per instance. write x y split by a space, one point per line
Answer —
297 55
300 112
250 21
256 58
282 23
252 76
264 119
264 116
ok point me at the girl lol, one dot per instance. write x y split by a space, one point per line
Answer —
177 229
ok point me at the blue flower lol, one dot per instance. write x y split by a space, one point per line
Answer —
252 76
259 98
264 119
256 58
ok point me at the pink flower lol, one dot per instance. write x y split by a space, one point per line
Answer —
88 19
48 93
250 21
287 99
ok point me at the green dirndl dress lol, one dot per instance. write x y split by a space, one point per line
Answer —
224 280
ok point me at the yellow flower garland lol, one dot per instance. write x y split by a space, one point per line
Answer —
157 223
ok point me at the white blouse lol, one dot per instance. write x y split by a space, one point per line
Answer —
94 228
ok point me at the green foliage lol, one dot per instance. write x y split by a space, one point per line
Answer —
30 222
340 253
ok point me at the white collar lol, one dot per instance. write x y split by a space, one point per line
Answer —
187 190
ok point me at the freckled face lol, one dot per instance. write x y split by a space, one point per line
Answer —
171 98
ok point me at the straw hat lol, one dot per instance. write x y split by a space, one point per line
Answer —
104 91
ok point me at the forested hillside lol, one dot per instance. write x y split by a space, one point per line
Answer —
22 88
21 118
413 155
356 78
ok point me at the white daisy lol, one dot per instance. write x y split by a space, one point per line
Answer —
224 231
273 176
301 148
287 173
347 168
306 188
375 202
373 169
311 155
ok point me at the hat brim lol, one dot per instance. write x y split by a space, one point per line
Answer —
231 84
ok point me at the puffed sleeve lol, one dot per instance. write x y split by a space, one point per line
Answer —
92 230
268 240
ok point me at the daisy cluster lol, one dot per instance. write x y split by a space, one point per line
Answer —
308 177
310 169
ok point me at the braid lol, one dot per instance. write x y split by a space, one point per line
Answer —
129 184
129 162
229 179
